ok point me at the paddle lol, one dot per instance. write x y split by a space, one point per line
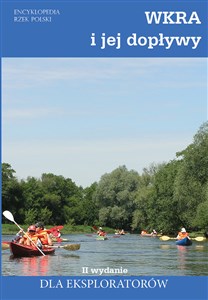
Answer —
10 217
198 238
95 228
166 238
55 228
4 246
71 247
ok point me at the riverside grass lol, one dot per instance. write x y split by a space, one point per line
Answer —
11 229
8 229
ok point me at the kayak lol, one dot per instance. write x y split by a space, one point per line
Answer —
58 240
184 242
148 234
19 250
101 238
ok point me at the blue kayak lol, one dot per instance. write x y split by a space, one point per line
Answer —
184 242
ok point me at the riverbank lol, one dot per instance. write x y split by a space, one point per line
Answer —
12 229
68 229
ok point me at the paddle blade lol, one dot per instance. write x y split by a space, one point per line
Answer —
8 215
4 246
72 247
58 227
165 238
199 238
95 227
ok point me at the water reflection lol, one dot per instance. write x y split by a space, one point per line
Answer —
182 257
165 247
200 247
33 266
71 256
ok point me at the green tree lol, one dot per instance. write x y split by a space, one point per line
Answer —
141 215
201 219
60 193
115 193
192 178
162 206
89 207
11 193
32 199
104 216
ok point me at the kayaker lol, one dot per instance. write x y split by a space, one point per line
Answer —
43 235
55 234
18 236
182 234
31 235
58 233
154 232
101 232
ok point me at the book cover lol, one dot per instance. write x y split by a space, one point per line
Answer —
104 126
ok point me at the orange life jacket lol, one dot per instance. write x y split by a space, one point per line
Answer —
43 236
182 235
29 237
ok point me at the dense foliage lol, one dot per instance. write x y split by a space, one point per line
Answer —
164 197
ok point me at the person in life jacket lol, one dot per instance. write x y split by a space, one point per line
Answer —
30 237
101 232
122 232
154 232
58 233
182 234
43 234
55 233
18 236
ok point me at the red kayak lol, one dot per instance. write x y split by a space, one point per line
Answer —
19 250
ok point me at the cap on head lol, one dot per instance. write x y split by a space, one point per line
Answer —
39 224
32 228
183 229
100 228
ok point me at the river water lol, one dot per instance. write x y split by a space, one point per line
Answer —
127 255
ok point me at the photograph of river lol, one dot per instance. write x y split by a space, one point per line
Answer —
131 255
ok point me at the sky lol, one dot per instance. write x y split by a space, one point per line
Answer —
84 117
